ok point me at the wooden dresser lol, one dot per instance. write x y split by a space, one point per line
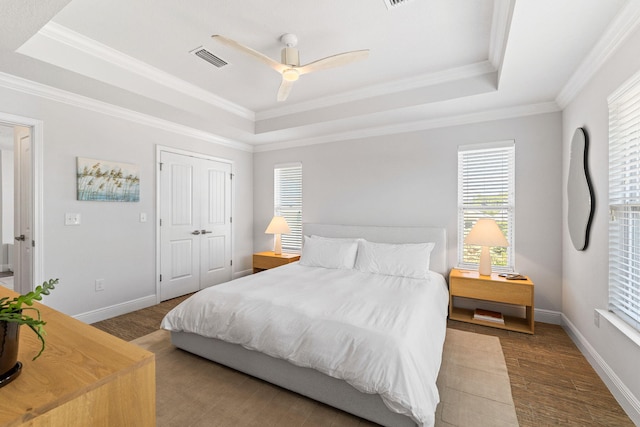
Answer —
85 377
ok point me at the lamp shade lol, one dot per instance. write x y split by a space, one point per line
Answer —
278 225
485 232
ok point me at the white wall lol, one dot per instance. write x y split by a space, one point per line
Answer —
411 179
585 281
111 243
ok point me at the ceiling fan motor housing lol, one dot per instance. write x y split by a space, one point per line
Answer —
290 56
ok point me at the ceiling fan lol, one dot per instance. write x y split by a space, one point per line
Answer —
290 67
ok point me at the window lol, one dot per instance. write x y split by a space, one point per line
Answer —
624 202
288 202
486 189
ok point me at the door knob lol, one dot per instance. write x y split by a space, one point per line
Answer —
20 238
196 232
206 232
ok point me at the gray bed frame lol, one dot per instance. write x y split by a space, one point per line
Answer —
306 381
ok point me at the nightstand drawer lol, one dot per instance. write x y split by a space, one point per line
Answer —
507 292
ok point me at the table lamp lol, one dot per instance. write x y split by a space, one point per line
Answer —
278 226
485 233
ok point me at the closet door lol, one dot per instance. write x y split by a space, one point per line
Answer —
215 223
195 230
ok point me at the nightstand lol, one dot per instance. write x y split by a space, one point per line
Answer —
266 260
470 284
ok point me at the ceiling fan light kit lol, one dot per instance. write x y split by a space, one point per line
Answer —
290 75
289 67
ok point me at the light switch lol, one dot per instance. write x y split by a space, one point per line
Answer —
143 217
72 219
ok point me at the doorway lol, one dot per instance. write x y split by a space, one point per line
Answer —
21 201
195 223
7 203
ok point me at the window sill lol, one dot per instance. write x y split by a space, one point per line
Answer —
621 325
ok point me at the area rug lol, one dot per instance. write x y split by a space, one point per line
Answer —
192 391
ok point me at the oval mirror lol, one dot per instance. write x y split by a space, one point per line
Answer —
579 192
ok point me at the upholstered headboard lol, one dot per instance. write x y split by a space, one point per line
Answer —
437 235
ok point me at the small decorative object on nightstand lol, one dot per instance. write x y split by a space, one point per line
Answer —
269 259
472 285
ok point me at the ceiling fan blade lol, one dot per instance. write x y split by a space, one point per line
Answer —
334 61
285 89
247 50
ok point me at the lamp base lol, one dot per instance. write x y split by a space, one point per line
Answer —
277 247
484 269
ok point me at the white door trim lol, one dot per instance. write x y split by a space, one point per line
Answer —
160 148
38 183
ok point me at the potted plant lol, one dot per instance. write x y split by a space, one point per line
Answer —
14 312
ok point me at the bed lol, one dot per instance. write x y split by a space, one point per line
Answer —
366 342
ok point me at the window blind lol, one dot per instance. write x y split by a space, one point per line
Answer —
288 203
486 189
624 202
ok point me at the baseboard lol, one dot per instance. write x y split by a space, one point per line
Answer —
621 393
548 316
242 273
129 306
116 310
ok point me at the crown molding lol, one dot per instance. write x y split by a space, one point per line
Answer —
64 35
500 26
19 84
453 74
623 25
459 120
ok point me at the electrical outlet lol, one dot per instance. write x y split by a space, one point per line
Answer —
596 318
99 285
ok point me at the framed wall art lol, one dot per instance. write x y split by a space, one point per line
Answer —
104 181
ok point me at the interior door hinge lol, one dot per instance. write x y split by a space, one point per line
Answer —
231 262
33 243
160 222
230 219
160 166
161 277
231 175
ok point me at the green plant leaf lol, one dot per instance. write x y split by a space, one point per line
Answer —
12 310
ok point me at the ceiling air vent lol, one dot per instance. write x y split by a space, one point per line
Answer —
209 57
392 4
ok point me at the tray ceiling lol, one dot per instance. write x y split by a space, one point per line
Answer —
430 60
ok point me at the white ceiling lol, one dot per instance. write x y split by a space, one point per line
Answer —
431 63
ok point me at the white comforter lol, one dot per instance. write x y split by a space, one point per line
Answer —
381 334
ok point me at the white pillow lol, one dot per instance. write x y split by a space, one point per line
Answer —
405 260
329 253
